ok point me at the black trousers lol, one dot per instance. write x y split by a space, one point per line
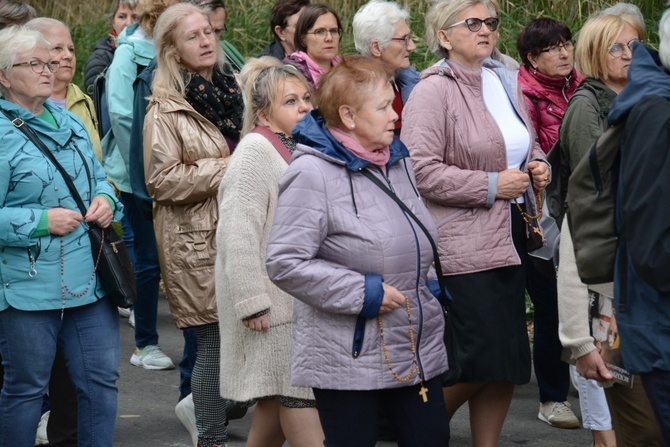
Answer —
349 418
62 427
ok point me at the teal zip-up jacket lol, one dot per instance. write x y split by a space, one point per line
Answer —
134 52
30 185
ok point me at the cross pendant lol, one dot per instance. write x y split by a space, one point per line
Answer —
423 391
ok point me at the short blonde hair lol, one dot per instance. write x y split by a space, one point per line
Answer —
261 79
349 83
595 38
171 77
444 13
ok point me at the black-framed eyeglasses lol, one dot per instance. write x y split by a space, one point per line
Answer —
407 38
553 50
323 32
38 66
617 49
220 31
474 24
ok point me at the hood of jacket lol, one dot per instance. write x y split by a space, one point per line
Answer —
646 76
311 131
44 130
143 46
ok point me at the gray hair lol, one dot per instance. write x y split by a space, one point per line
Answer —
16 41
443 14
44 24
376 21
664 39
627 11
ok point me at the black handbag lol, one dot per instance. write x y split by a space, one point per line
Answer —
453 374
110 255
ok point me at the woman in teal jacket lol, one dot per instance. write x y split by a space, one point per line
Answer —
50 294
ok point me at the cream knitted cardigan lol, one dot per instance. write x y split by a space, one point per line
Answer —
253 364
573 300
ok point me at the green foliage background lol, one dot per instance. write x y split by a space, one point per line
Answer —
248 21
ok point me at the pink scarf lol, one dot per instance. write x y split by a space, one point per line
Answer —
378 158
315 69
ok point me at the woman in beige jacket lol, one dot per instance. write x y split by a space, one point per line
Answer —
195 109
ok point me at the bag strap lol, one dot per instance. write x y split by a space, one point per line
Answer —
405 208
23 127
276 142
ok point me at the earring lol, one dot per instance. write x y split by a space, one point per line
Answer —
353 126
534 70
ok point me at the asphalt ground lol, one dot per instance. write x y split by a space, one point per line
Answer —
147 400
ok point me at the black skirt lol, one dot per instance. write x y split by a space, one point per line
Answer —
489 318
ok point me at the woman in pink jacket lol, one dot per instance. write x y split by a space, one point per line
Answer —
548 79
474 153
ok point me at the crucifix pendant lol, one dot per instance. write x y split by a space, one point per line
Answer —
423 392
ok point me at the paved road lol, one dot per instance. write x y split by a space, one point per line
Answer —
147 400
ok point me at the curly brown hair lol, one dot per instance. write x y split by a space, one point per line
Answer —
148 12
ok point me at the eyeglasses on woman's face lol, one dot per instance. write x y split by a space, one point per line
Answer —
406 39
321 33
617 49
554 50
38 66
474 24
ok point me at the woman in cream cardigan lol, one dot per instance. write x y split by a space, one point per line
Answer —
255 315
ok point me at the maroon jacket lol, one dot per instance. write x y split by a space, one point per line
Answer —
546 99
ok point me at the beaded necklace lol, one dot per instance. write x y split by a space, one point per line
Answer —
65 290
415 365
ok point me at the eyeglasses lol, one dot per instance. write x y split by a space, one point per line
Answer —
475 24
407 39
617 49
323 32
555 49
39 66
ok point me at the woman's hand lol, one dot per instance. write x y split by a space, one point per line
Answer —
591 366
62 221
392 300
512 183
99 212
258 324
539 170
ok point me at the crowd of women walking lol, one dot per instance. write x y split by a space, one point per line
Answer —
342 240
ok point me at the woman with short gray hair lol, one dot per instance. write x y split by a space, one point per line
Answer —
381 30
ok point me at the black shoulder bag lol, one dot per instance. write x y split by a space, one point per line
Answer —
452 376
110 255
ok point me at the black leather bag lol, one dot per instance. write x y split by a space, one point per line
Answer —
453 374
110 255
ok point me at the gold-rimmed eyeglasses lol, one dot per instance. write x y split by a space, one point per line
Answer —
38 66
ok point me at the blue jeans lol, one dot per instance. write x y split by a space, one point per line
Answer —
187 361
657 387
147 273
88 337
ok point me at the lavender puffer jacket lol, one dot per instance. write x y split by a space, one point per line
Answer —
336 236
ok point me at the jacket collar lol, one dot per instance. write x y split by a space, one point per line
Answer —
646 76
44 130
541 86
311 131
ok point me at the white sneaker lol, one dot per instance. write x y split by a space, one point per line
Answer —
151 357
41 435
185 411
558 414
124 313
131 318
